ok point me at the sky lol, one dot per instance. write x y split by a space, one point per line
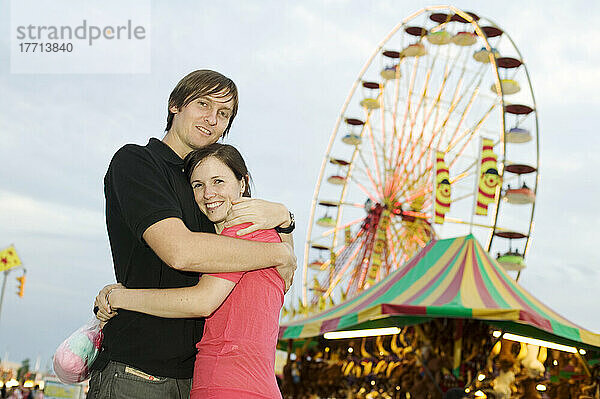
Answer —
294 64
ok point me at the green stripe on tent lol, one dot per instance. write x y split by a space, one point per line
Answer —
449 311
348 320
489 285
527 330
293 331
565 331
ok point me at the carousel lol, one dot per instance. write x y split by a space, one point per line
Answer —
450 319
419 228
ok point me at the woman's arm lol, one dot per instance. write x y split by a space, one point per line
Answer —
200 300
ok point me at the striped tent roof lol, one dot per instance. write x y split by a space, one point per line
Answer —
448 278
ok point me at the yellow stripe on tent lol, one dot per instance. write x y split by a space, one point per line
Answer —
496 314
589 337
469 293
369 313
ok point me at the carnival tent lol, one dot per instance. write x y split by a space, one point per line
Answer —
451 278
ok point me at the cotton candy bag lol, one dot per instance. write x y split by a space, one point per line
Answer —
74 357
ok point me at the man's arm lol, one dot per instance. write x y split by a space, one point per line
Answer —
262 214
287 271
184 250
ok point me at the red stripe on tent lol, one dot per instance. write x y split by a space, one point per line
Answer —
554 314
329 325
488 159
387 308
536 320
481 288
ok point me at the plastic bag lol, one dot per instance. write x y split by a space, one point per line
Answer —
74 357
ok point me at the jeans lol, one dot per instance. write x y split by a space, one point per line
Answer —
119 381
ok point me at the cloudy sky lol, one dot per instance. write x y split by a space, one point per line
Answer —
294 63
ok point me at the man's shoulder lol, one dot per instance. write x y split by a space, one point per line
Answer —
133 161
131 150
132 154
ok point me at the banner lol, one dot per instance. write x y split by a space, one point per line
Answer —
488 178
443 189
9 258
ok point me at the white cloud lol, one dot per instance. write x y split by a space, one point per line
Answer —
25 214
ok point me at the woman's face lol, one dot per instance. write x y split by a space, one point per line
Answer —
215 186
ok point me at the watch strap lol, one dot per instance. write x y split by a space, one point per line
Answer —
290 228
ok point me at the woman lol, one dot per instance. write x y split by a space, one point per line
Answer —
236 356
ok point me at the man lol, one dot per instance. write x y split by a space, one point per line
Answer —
160 239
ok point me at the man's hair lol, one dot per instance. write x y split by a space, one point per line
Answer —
200 83
225 153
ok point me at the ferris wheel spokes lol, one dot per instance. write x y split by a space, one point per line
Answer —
429 99
374 152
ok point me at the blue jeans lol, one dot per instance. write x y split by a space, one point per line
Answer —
119 381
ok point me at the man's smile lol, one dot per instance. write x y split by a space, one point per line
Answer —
204 130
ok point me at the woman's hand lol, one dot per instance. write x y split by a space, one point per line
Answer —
262 214
105 312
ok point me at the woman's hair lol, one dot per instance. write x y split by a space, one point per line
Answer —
198 84
225 153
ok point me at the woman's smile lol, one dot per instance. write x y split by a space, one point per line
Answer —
213 205
215 188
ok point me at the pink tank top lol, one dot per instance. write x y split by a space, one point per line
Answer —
236 356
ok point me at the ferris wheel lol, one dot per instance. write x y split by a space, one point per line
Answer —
437 138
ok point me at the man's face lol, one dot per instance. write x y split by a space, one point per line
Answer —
201 122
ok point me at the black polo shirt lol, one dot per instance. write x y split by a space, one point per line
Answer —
143 185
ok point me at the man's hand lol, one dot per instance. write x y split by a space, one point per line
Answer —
262 214
105 312
288 269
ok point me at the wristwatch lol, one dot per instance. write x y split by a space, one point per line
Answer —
290 228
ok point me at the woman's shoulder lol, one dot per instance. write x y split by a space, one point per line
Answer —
269 235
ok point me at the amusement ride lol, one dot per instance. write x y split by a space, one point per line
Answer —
437 138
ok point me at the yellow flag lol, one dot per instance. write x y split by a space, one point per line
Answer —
9 258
